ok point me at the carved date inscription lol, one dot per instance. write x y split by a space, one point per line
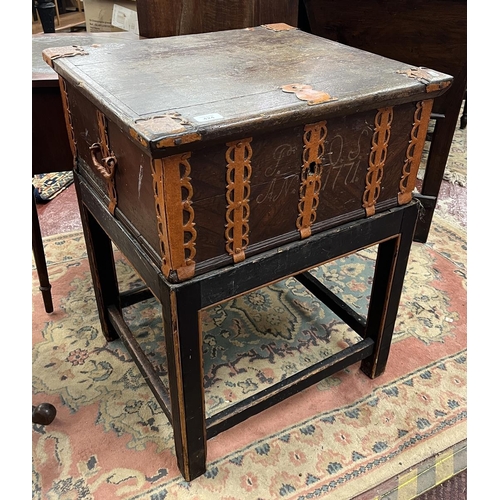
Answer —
280 186
345 160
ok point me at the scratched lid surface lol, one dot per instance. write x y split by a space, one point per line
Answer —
214 85
42 73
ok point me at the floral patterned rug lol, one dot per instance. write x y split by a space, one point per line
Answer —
48 186
337 439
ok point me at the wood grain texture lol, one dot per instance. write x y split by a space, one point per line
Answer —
423 33
160 18
232 83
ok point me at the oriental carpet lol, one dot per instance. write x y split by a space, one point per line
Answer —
338 439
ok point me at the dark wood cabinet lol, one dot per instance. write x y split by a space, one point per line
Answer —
424 33
158 18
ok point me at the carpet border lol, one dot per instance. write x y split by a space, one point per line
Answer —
422 477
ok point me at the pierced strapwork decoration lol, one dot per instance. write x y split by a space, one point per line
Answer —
414 150
173 193
378 155
106 167
310 176
238 173
68 117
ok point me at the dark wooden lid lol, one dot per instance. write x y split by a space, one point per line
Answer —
170 91
44 75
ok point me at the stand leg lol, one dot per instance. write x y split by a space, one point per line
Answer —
102 268
390 269
39 255
185 375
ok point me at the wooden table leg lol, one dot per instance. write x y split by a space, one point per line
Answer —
102 268
39 255
182 328
390 269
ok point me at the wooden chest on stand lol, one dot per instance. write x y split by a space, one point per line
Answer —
219 163
214 147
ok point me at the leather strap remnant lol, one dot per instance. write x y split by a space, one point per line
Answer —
414 150
378 155
238 173
424 75
68 117
50 54
173 193
279 27
307 93
310 176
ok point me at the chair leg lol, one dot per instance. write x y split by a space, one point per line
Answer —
463 118
39 255
43 414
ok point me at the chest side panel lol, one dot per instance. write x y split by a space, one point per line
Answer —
130 188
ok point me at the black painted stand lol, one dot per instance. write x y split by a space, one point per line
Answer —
183 400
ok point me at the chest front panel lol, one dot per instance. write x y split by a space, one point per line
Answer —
199 208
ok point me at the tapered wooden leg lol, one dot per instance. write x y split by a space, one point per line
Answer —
185 375
390 269
39 255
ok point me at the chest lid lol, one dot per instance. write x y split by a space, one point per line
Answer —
166 92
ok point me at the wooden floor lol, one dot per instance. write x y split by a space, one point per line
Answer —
68 21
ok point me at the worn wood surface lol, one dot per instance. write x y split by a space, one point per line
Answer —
229 82
159 18
42 74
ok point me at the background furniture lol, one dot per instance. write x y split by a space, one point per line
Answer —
158 18
428 33
50 144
